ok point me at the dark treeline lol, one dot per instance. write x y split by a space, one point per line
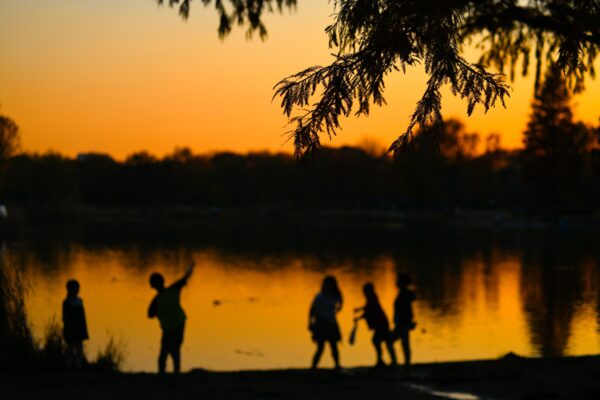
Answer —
557 171
430 177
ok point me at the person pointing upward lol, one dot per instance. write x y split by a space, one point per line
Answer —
167 308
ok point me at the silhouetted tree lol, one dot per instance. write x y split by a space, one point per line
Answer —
441 171
557 148
98 178
492 143
9 143
434 165
145 182
49 181
375 38
9 138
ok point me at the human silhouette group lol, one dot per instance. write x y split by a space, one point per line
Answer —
322 320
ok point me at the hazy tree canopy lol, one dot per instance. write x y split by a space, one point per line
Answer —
9 138
373 38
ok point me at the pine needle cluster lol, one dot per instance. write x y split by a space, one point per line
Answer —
371 39
237 12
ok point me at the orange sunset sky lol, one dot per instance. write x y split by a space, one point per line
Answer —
119 76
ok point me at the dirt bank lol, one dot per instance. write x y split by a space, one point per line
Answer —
508 378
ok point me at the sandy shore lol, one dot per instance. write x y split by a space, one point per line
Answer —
508 378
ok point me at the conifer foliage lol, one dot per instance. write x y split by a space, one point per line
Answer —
556 158
551 129
236 12
373 38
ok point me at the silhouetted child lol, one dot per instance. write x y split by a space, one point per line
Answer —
377 321
167 308
403 315
322 320
74 326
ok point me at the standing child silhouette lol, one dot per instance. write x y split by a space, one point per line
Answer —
322 320
166 307
74 325
378 323
403 314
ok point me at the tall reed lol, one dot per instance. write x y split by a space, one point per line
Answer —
17 345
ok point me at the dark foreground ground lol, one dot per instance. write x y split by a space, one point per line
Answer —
507 378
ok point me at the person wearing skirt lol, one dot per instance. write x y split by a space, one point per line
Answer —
322 321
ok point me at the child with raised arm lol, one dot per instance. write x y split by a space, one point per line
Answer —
322 320
74 326
166 307
378 323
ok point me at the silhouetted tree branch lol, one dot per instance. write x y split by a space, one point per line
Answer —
373 38
236 12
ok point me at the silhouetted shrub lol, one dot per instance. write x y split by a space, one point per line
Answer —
17 345
111 358
52 349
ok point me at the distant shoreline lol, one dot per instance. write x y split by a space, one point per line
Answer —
391 219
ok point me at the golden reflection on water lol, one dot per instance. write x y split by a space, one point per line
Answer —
260 320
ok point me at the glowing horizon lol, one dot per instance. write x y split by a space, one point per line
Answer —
123 77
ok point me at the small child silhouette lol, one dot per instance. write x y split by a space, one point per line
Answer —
377 322
167 308
74 326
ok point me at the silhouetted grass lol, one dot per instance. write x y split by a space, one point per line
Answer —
52 350
111 358
19 349
51 353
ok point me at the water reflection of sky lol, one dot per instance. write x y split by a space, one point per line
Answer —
480 294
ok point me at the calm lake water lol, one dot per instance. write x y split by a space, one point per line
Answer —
482 292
